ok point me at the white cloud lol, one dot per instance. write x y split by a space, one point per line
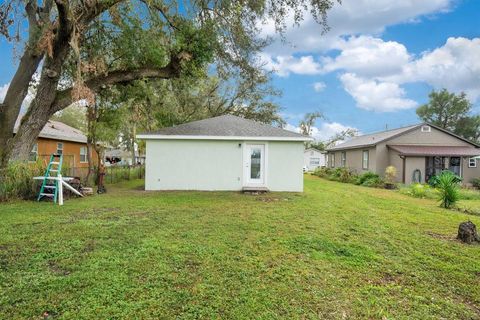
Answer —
324 132
3 91
284 65
455 66
319 86
352 17
367 57
377 96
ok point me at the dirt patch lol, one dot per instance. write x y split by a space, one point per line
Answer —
387 278
57 269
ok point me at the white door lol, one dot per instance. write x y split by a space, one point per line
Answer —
254 165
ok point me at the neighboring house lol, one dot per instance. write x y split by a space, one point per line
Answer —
57 137
417 152
122 157
313 158
224 153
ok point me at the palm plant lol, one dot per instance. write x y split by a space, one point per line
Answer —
448 188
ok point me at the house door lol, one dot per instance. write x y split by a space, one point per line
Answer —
254 165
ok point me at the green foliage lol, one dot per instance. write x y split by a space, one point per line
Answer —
434 181
18 182
419 190
370 179
343 175
476 183
448 189
452 112
73 116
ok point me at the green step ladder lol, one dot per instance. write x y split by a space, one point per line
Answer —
49 189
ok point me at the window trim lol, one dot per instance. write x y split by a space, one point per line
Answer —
367 152
332 160
61 149
343 159
86 153
470 163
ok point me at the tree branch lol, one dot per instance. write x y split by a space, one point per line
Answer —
171 70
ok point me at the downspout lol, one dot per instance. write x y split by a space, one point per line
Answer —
404 166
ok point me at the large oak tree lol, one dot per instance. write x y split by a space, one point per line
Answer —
74 49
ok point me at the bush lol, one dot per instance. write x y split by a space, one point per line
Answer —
419 190
448 189
476 183
323 172
343 175
18 182
370 179
390 174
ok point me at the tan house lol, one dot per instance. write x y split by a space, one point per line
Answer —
417 152
57 137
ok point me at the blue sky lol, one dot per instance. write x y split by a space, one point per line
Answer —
378 62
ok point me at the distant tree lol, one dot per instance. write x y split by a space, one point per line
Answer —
323 145
74 116
452 112
309 121
469 128
445 109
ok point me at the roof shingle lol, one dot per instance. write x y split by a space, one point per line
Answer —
224 126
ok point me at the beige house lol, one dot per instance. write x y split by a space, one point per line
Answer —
417 152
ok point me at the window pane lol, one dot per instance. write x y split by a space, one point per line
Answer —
255 163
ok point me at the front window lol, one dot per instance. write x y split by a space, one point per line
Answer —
60 148
344 159
472 163
83 154
314 161
34 153
332 160
365 159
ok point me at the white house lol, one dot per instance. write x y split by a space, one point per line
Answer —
313 158
224 153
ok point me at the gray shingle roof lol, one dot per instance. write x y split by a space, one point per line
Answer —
59 131
372 139
224 126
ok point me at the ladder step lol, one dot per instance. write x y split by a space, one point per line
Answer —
53 162
47 194
50 187
53 170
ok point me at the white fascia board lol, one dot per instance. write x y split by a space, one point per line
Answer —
177 137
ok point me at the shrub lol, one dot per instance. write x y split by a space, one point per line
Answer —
419 190
322 172
448 189
18 182
370 179
390 174
476 183
343 175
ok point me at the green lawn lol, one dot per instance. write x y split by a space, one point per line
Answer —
337 251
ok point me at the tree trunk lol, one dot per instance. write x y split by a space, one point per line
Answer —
91 119
10 108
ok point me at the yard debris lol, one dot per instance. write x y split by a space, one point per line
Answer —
467 232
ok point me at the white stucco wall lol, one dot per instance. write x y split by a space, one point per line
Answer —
218 165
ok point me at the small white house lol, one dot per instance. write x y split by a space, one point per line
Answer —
224 153
313 158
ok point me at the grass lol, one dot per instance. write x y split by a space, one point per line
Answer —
335 251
